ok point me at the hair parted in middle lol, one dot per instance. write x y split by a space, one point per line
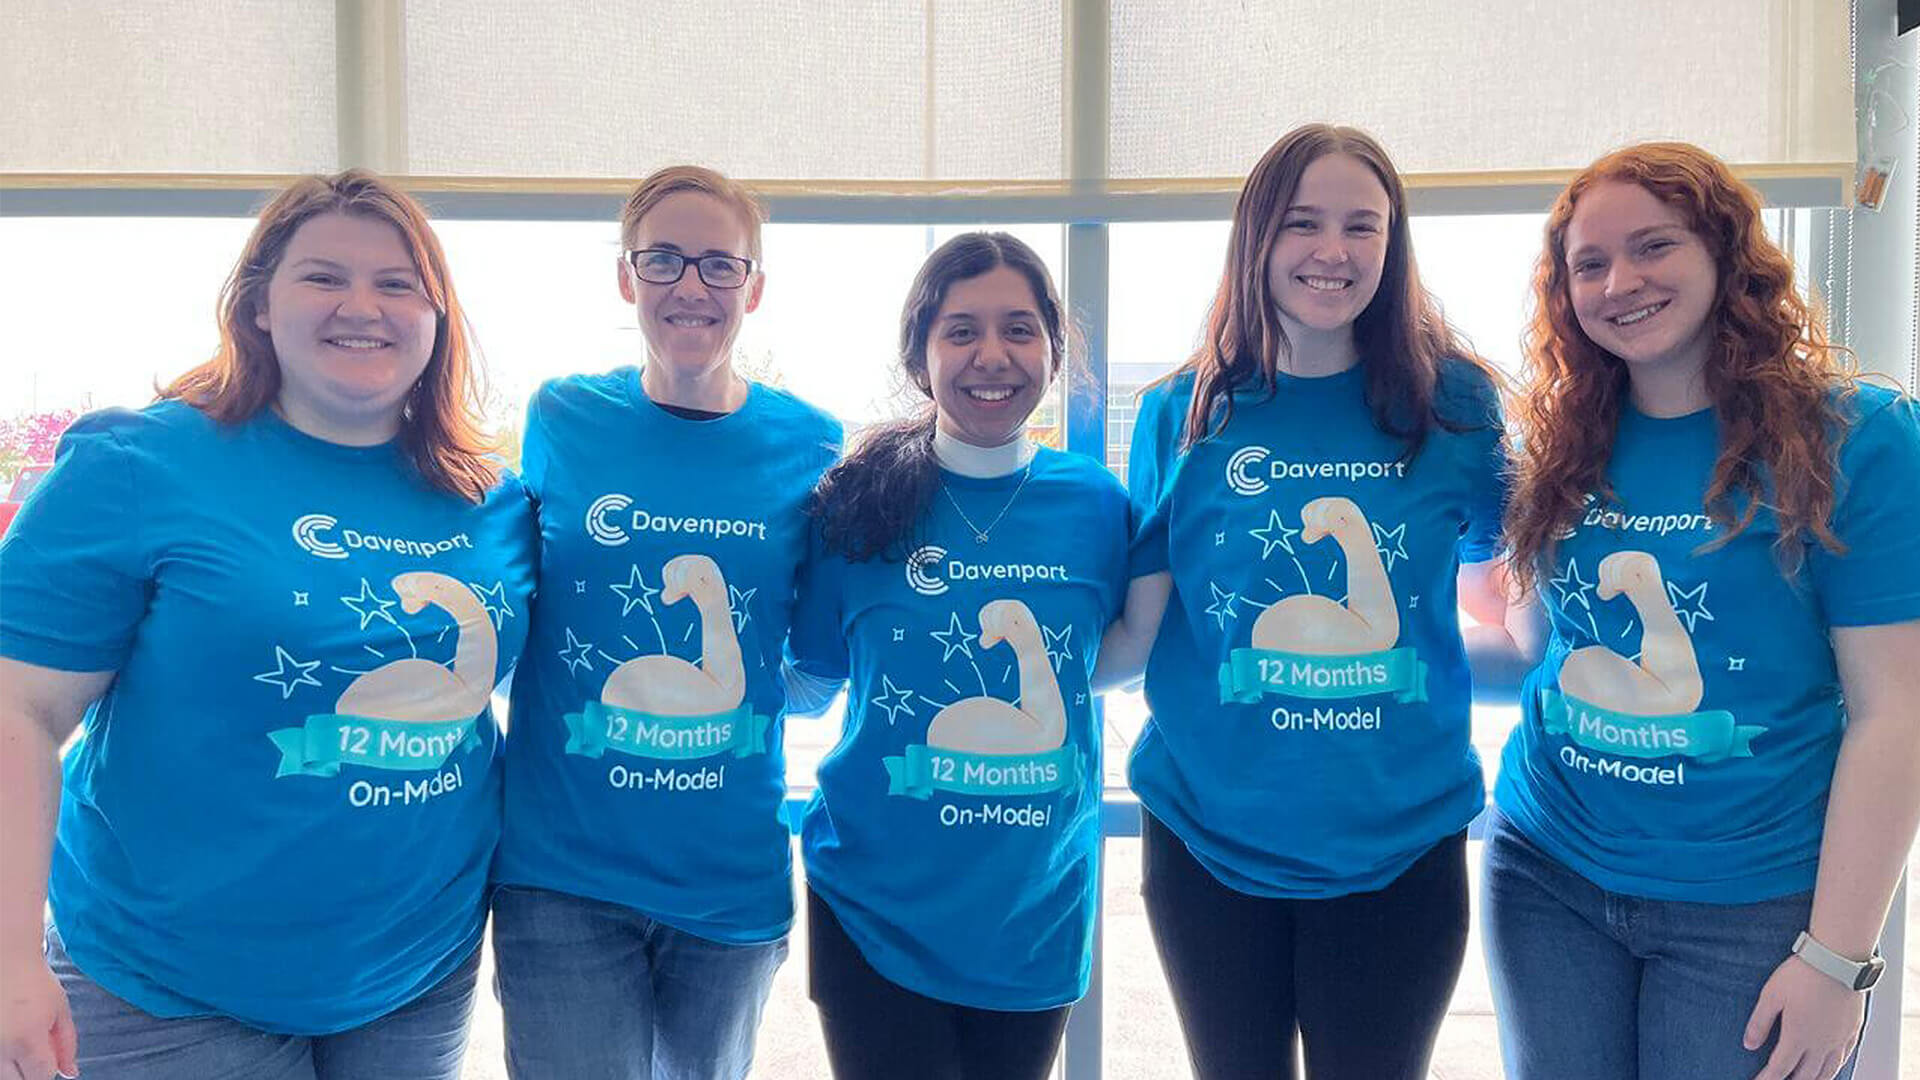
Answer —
868 504
1771 373
441 430
1401 337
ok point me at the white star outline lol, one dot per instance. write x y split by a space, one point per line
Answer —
1062 639
1268 541
1571 587
902 700
737 602
1690 604
493 600
1390 543
302 676
626 593
1222 606
952 639
582 660
358 605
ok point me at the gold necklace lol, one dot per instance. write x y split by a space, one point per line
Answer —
979 534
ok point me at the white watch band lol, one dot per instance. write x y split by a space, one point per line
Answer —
1848 973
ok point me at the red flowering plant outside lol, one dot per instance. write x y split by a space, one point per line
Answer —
30 439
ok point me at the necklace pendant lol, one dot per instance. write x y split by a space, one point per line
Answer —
979 538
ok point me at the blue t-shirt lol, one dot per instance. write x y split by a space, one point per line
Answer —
955 831
1678 740
1308 689
283 809
644 760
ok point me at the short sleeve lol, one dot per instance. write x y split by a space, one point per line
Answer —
534 450
816 642
1149 465
74 574
1877 580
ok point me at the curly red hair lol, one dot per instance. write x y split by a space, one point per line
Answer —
1774 378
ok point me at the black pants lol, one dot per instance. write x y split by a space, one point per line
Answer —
879 1030
1364 979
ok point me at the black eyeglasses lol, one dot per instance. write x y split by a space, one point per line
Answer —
663 266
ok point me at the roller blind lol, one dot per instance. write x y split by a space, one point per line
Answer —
955 95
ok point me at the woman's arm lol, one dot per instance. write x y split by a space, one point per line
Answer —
1506 635
39 708
1872 809
1128 641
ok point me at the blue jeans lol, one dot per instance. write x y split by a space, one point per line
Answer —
424 1039
1593 985
596 991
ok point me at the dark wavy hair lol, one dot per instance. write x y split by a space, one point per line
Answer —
1771 373
441 431
1401 336
869 504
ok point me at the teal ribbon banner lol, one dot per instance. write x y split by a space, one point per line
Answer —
923 770
327 741
1249 673
600 728
1705 736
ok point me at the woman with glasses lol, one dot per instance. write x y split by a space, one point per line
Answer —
280 598
644 890
1713 787
1320 487
961 579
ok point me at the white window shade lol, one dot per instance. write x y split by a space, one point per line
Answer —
167 86
925 97
830 90
1202 87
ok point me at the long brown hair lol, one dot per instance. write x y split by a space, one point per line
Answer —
1771 372
1401 336
441 431
869 503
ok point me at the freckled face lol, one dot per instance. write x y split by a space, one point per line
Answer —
1642 283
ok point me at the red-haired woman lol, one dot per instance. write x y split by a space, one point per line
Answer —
1318 484
1704 810
280 598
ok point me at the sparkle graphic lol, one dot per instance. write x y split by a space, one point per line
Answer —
1061 640
1690 604
579 586
1391 543
737 602
635 593
1274 534
1412 602
301 673
368 606
1736 663
899 633
494 600
1079 699
579 649
1222 607
953 639
1219 539
1571 587
299 599
901 700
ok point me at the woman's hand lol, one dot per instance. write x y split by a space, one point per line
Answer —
36 1029
1819 1023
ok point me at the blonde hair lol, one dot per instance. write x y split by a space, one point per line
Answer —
677 178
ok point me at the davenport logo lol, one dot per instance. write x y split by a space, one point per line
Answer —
314 534
612 519
1248 470
1239 476
928 574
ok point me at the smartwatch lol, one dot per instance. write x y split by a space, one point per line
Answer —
1852 975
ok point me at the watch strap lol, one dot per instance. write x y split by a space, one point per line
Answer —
1851 974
